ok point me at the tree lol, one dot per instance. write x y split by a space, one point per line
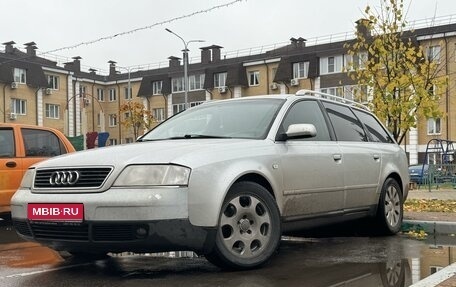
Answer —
138 117
404 81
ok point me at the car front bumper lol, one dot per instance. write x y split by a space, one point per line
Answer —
127 236
117 220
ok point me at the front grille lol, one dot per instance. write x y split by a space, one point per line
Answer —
81 232
78 232
22 228
89 178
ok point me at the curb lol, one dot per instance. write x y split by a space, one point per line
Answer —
437 278
430 227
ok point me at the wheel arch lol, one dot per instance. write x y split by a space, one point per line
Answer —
259 179
398 178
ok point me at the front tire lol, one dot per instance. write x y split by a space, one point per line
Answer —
390 209
249 228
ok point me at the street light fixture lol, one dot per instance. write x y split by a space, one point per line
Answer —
185 51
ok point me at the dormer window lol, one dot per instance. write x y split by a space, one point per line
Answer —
20 75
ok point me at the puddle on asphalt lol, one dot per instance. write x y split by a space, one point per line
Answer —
437 253
332 261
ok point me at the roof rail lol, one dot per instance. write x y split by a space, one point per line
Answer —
331 97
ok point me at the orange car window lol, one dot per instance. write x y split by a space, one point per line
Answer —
6 143
41 143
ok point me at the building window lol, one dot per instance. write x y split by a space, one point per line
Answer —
157 87
300 70
330 65
82 91
432 90
433 54
100 95
220 80
98 119
335 91
128 140
356 93
177 84
52 111
127 115
433 125
53 82
254 78
435 269
19 107
196 82
20 75
159 114
112 141
128 93
112 95
177 108
112 120
356 61
194 104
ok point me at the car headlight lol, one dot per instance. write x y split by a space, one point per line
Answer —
27 179
155 175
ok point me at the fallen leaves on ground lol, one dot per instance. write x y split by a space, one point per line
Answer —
417 234
430 205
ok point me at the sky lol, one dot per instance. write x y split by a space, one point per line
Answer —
57 24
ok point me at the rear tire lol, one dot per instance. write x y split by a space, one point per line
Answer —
390 209
249 228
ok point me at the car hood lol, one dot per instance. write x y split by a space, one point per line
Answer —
188 152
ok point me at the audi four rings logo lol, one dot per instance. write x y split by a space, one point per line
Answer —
67 177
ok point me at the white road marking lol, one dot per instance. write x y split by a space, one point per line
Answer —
43 271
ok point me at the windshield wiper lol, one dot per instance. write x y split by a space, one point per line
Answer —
189 136
198 136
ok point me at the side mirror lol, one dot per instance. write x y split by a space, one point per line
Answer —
298 131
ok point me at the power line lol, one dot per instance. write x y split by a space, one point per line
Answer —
144 28
132 31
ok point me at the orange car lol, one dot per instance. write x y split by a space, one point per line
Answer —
20 147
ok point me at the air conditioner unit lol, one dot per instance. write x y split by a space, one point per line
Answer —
14 85
294 82
222 90
274 86
48 91
87 102
13 116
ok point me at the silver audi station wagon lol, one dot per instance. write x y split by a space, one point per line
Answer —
224 179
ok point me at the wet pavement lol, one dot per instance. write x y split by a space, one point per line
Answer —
329 258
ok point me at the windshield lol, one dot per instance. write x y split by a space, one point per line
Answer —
224 119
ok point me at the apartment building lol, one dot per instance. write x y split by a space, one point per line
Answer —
38 91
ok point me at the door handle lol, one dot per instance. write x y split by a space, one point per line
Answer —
11 164
376 156
337 157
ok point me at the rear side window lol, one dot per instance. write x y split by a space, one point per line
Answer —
307 112
346 126
376 131
41 143
7 143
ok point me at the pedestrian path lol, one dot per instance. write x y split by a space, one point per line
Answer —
424 193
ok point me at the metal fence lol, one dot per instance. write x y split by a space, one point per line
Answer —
439 176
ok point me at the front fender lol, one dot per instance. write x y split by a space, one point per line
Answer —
210 184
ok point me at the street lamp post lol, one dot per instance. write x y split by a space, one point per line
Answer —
185 52
128 69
